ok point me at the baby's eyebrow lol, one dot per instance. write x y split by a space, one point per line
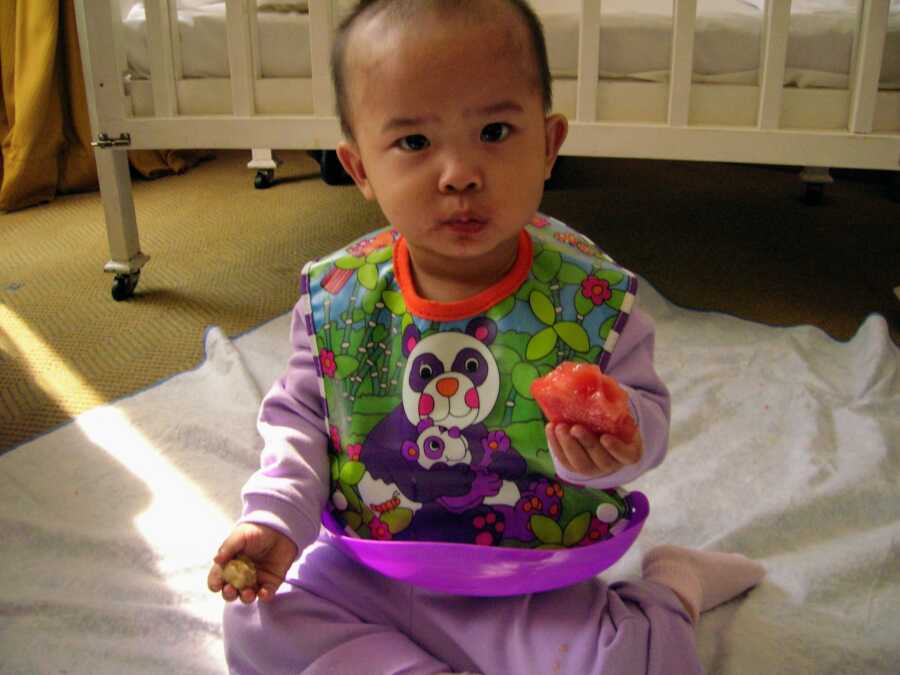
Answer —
396 123
399 123
496 109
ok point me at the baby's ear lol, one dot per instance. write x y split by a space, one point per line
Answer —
556 128
352 162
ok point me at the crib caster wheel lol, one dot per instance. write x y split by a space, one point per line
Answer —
815 194
124 285
265 178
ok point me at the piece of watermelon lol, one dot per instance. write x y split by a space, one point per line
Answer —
579 393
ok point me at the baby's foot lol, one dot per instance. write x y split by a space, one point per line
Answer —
701 579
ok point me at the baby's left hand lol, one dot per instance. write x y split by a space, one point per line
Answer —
581 451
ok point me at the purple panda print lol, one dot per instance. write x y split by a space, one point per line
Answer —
434 434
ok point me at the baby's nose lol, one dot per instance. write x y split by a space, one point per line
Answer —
451 187
447 386
460 176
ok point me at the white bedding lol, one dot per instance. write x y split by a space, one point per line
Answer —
785 446
635 41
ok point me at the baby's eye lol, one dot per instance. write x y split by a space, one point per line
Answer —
413 143
495 132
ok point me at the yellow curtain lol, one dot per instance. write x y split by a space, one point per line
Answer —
44 128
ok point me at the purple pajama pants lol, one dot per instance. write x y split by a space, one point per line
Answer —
336 617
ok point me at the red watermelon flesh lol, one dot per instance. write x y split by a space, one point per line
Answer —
579 393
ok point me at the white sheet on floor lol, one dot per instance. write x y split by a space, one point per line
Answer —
784 446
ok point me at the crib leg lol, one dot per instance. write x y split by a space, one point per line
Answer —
265 162
815 178
126 258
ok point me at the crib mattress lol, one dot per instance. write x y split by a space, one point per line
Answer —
635 41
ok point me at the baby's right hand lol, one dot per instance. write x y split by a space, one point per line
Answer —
271 552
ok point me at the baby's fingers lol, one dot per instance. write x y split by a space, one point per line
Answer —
267 582
589 441
568 451
230 594
214 580
247 595
625 453
267 591
216 583
233 544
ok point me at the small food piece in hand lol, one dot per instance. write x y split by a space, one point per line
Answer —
240 572
579 393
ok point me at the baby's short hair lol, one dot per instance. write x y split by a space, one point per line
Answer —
408 9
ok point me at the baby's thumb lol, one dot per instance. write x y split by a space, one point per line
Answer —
233 545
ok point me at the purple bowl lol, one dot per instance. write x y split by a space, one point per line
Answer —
469 569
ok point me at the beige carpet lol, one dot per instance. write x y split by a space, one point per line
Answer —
729 238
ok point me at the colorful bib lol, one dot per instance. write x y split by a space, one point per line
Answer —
433 433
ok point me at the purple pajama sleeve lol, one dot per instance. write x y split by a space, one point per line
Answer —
290 489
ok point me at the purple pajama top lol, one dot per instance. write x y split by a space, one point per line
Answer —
362 425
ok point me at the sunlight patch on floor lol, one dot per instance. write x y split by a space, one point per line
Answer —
181 524
44 365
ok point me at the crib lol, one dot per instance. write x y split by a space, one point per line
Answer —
809 83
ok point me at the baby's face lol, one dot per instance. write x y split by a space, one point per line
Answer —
450 133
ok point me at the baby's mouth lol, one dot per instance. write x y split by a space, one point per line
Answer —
465 222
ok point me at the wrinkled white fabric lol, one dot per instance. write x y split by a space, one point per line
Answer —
785 446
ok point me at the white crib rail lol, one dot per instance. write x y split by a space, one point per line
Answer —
673 122
588 61
776 28
765 127
322 16
682 62
867 55
165 55
241 19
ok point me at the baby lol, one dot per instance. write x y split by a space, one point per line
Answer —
404 411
